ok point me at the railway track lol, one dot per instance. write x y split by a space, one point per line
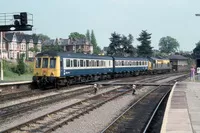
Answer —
30 93
12 110
68 113
139 115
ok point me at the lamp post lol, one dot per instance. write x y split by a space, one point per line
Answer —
1 56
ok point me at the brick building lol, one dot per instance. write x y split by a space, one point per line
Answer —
73 45
16 43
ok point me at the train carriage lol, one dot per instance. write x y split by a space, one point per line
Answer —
130 65
66 68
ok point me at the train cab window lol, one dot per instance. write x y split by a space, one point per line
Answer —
38 63
45 63
68 63
81 63
52 62
75 63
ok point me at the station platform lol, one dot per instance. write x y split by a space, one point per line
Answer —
182 113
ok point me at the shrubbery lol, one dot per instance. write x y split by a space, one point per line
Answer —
19 67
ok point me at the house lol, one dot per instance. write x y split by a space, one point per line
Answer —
74 45
16 43
179 62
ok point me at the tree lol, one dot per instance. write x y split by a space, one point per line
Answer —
157 53
54 47
121 45
34 49
76 35
96 48
168 45
21 67
43 37
145 48
88 35
196 50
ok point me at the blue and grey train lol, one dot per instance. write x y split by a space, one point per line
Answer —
56 68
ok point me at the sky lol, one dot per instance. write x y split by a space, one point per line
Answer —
58 18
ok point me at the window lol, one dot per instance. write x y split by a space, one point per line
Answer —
92 62
71 64
87 63
84 63
78 63
67 62
75 63
81 63
45 63
122 63
109 63
38 62
97 63
52 62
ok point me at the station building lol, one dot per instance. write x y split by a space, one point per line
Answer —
179 63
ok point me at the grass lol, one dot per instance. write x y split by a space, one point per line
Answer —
16 77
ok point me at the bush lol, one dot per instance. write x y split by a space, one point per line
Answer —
21 67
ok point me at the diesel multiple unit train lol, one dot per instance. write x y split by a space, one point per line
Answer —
56 68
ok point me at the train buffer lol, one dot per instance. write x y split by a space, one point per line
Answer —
131 83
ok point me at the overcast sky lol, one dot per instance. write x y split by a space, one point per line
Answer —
58 18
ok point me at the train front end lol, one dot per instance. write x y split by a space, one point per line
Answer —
46 71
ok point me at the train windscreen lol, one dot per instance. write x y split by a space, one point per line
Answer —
38 62
52 62
45 63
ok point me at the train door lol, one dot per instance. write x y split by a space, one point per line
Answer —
61 67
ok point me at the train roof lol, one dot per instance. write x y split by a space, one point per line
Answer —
72 55
130 58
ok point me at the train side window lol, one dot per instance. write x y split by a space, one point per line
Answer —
90 64
84 63
75 63
97 63
52 62
81 63
78 61
45 63
67 62
109 63
87 63
38 63
71 63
